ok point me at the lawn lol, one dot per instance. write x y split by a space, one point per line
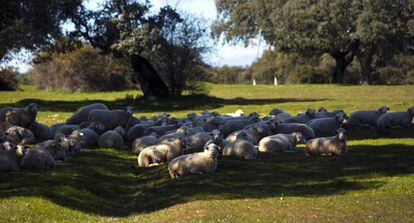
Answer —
374 182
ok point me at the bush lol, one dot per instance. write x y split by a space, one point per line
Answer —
81 69
8 80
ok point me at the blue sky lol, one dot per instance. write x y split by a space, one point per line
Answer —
225 54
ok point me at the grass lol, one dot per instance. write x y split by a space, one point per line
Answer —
374 182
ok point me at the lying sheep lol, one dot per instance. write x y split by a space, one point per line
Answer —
111 118
22 117
196 163
141 143
38 158
181 132
65 130
82 114
10 159
326 126
137 131
41 131
198 140
19 135
366 117
394 119
326 114
254 134
86 137
56 126
71 145
56 150
236 124
302 118
238 113
218 139
160 153
112 139
281 143
97 127
212 123
160 130
240 147
289 128
279 114
335 145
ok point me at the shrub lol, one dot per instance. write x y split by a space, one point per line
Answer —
8 80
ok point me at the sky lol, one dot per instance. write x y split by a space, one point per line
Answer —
224 54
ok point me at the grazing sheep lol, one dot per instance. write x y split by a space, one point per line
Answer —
41 131
19 135
86 137
112 139
241 147
279 114
302 118
366 117
254 134
111 118
82 114
288 128
394 119
141 143
22 117
335 145
160 130
160 153
137 131
56 149
196 163
10 159
65 130
326 126
236 124
198 140
281 143
37 158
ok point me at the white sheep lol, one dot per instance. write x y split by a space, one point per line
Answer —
112 138
241 147
41 131
160 153
281 143
71 145
10 159
366 117
238 113
289 128
160 130
196 163
86 137
22 117
334 145
218 139
394 119
82 114
111 118
326 126
19 135
254 133
233 125
143 142
37 158
198 140
302 117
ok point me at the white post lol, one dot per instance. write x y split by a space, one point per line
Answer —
275 81
254 81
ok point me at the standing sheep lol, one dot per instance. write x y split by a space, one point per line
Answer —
111 118
22 117
366 117
241 147
196 163
10 159
394 119
281 143
335 145
160 153
82 114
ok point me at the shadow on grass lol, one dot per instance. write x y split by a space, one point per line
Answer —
188 102
108 183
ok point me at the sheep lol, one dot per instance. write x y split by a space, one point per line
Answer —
281 142
233 125
56 126
181 132
288 128
218 139
160 130
10 159
111 118
334 145
238 113
137 131
22 117
112 138
302 118
37 158
86 137
326 126
394 119
71 145
41 131
65 130
279 114
254 134
141 143
19 135
160 153
97 127
56 149
325 114
366 117
7 146
198 140
212 123
82 114
196 163
240 147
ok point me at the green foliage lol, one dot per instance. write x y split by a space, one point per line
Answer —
81 69
8 80
227 75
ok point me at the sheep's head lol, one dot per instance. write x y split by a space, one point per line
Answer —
340 117
275 111
120 131
322 109
191 116
239 112
340 133
310 112
20 150
217 136
383 109
411 110
7 146
259 129
212 149
242 135
32 108
183 130
299 137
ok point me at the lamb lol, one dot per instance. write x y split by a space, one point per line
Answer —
86 137
141 143
10 159
160 153
241 147
18 135
302 118
366 117
198 140
160 130
111 118
281 143
22 117
82 114
41 131
65 130
394 119
254 134
234 125
37 158
196 163
326 126
279 114
289 128
334 145
112 138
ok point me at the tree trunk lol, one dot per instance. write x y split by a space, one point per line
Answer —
365 59
148 78
342 61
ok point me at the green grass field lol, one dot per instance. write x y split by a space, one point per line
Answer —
374 182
